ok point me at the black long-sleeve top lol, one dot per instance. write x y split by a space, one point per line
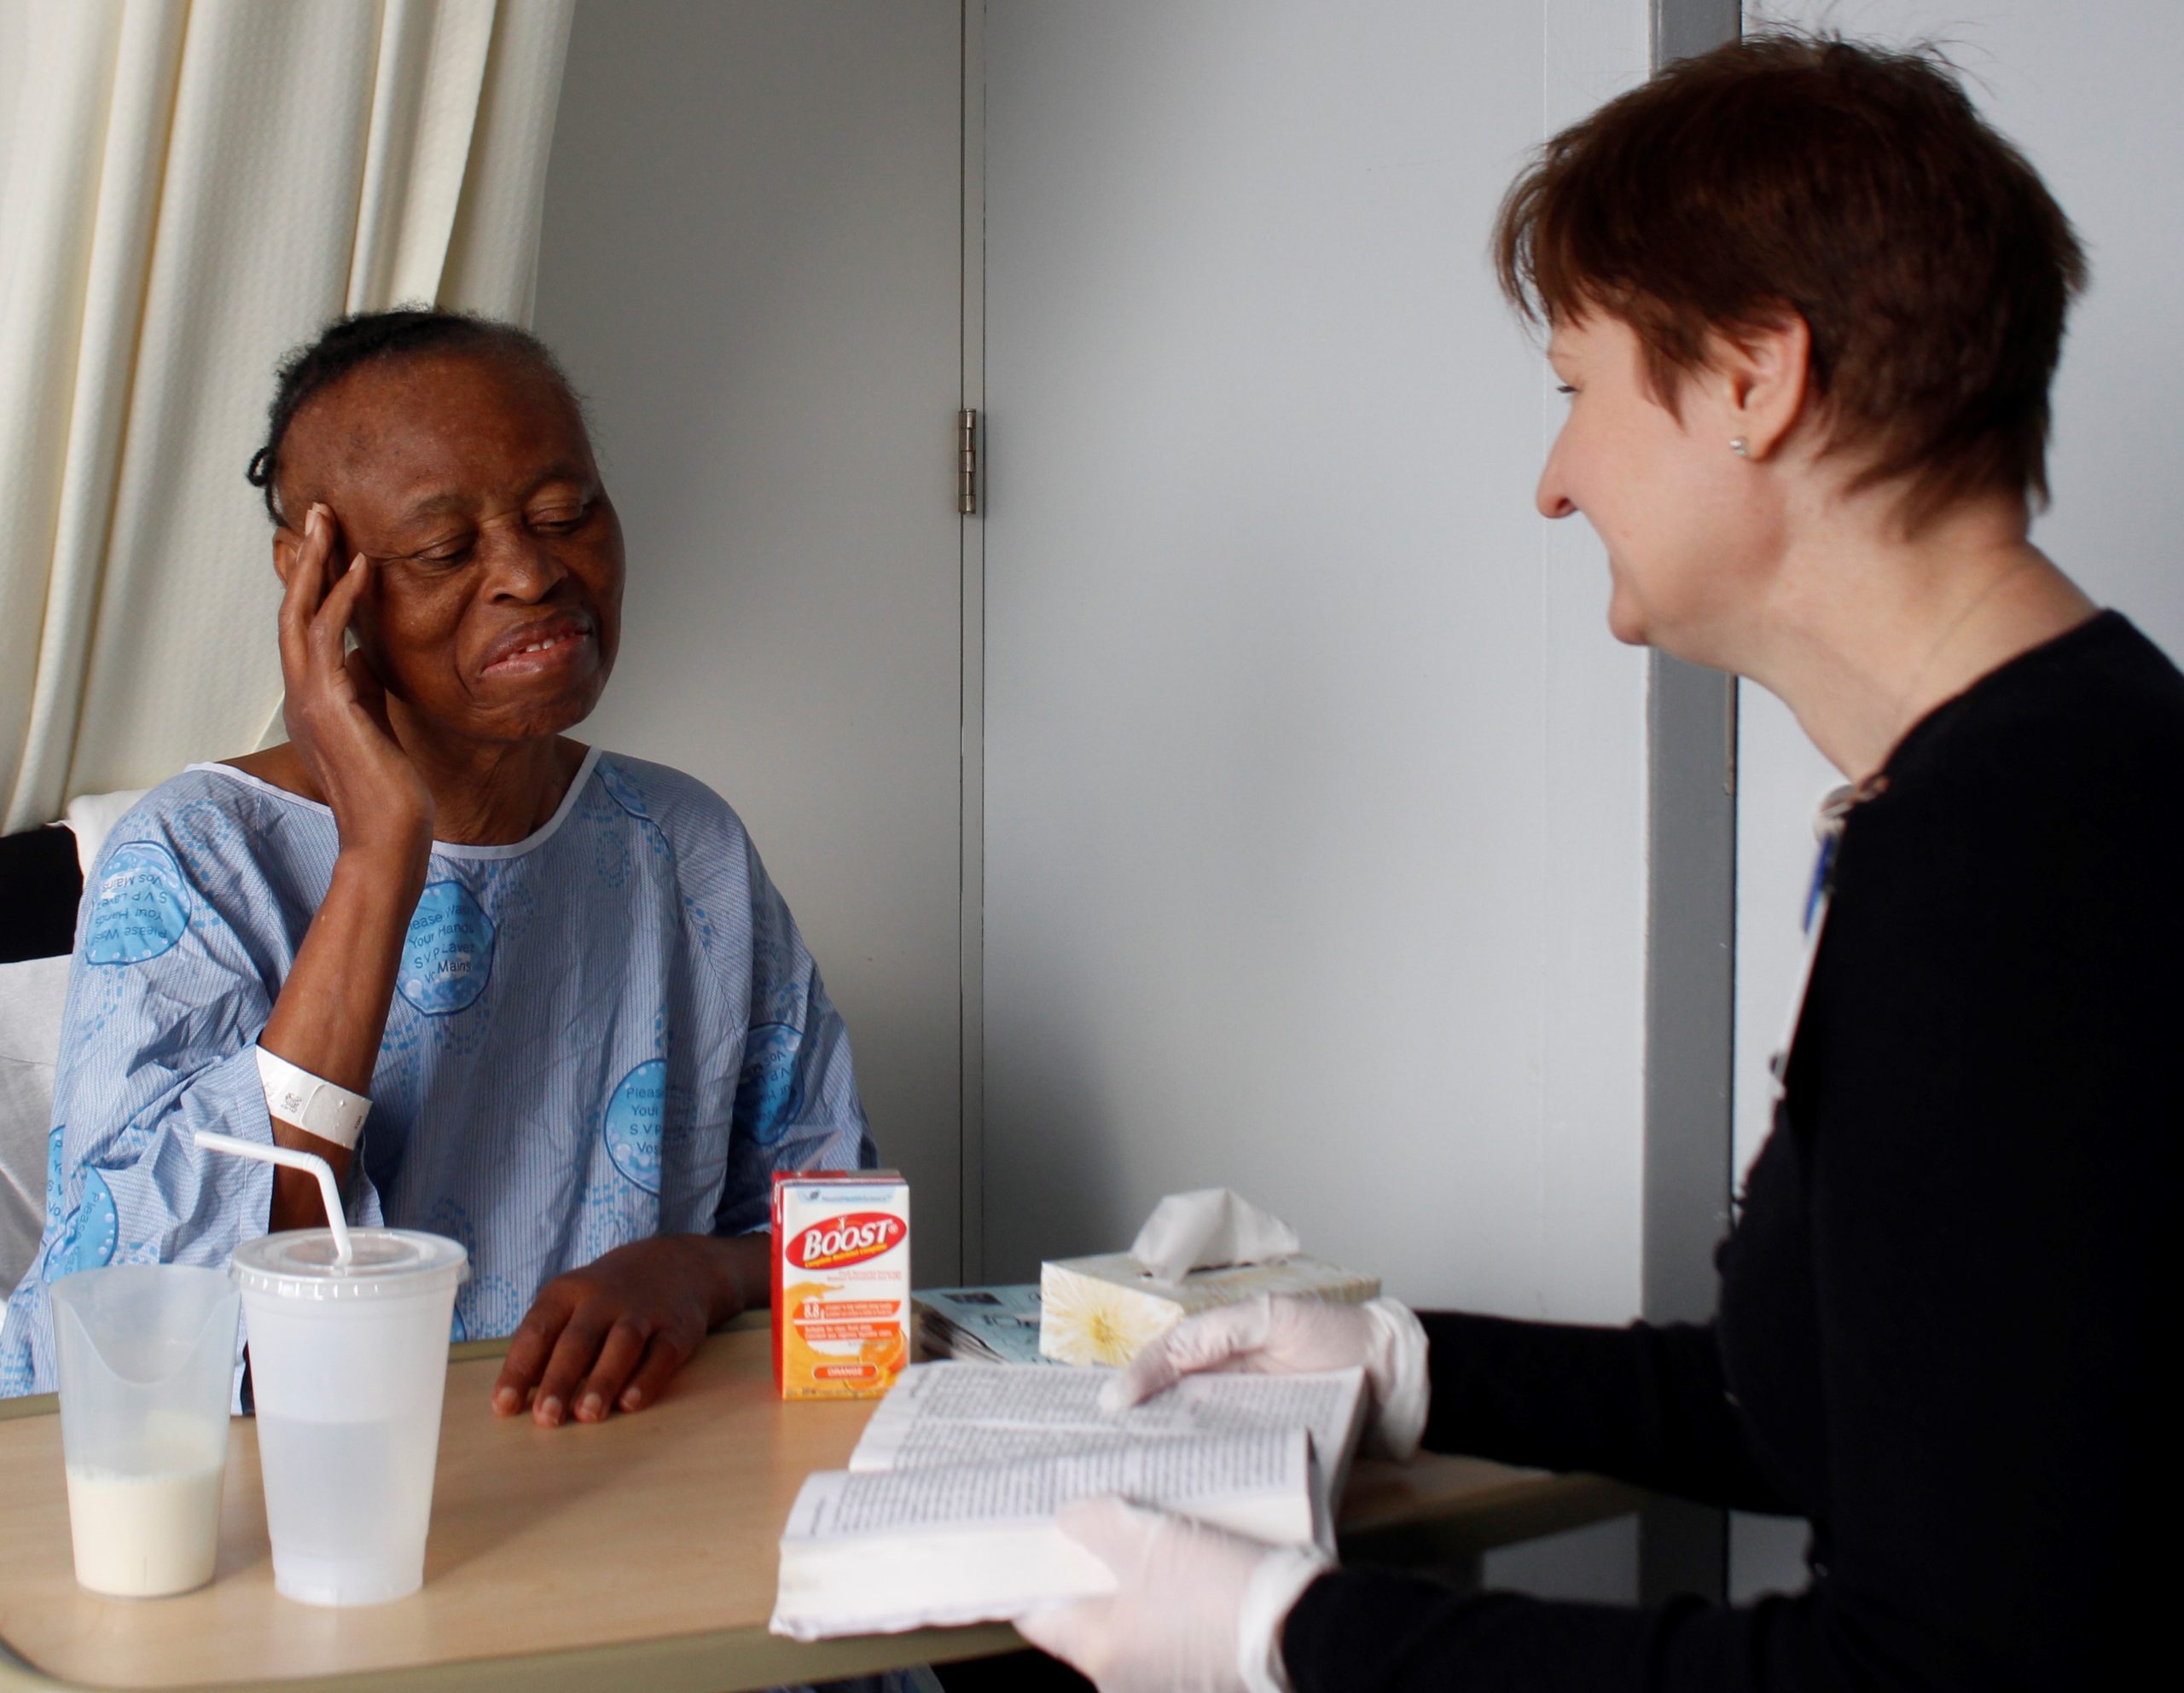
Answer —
1951 1283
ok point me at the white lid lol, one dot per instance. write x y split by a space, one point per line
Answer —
387 1264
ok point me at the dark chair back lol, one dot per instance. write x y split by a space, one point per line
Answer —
40 887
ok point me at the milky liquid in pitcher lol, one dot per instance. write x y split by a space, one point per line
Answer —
151 1529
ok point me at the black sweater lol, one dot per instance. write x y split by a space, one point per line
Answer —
1944 1299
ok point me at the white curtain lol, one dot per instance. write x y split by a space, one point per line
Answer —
191 186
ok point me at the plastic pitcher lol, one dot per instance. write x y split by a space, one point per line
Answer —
146 1358
348 1361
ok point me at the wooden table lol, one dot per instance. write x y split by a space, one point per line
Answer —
639 1552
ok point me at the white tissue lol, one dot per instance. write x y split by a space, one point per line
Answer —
1211 1227
1196 1251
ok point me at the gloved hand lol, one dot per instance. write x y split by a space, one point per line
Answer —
1273 1336
1196 1610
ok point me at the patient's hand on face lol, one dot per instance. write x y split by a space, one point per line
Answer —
608 1337
334 706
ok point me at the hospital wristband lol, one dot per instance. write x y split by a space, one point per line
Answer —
311 1103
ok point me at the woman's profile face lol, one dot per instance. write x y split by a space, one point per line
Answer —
494 608
1668 497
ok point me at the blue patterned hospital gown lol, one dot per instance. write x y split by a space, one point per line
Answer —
609 1030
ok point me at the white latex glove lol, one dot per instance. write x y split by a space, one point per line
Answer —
1287 1336
1195 1610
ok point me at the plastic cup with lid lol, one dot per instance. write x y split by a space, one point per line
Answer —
145 1354
348 1361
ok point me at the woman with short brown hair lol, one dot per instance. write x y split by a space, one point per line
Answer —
1807 304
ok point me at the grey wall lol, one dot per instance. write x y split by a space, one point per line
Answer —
1315 786
751 264
2089 95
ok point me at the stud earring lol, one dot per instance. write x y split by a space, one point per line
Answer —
1740 447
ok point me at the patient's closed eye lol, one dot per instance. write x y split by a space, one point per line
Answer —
453 550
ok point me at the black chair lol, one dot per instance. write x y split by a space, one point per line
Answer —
40 887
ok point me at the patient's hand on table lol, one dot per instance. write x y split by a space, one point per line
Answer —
1276 1337
608 1337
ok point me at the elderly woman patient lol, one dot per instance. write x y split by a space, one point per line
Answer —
536 997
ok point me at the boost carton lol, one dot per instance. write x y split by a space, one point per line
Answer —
841 1282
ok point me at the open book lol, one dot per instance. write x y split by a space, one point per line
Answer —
946 1512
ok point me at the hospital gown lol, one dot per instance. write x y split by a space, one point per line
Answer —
609 1030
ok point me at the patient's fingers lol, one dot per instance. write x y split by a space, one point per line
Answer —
663 1356
528 1348
574 1355
608 1335
330 622
617 1357
306 587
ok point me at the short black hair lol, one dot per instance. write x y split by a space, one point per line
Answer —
368 337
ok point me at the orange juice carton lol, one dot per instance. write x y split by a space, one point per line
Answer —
841 1282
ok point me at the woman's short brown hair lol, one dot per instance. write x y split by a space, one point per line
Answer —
1853 185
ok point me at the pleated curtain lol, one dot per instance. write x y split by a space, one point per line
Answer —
191 188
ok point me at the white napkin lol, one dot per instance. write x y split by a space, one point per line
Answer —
1212 1226
92 816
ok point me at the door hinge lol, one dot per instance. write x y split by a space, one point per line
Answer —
967 466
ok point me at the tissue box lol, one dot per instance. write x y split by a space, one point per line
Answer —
1102 1309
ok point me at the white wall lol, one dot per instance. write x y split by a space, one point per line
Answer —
2088 94
752 265
1315 786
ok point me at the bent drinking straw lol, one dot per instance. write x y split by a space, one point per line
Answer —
310 1162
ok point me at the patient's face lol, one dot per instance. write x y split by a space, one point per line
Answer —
470 485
